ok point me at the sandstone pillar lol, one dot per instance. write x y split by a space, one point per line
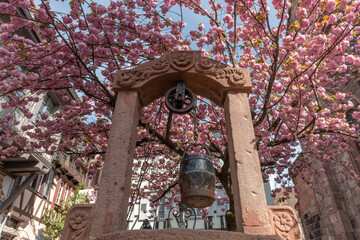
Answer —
249 196
110 210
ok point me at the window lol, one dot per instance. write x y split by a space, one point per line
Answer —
210 223
89 180
2 111
222 223
37 182
47 107
66 192
161 212
143 207
58 197
33 183
49 182
95 177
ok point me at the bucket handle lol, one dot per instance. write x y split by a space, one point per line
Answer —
196 144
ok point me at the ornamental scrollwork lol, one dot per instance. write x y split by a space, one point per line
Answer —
181 62
127 78
234 76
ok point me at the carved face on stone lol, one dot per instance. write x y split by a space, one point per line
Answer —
205 64
182 59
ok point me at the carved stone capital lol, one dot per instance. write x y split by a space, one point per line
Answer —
77 223
284 221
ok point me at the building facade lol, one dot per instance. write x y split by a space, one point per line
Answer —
329 203
31 183
23 218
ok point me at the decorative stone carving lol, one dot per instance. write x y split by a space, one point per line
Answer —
160 65
234 76
78 220
284 221
204 65
77 223
181 61
128 78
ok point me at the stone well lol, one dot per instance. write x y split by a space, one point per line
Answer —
227 87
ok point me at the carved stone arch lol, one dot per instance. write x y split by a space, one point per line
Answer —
204 76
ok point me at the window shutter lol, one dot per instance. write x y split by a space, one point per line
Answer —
49 183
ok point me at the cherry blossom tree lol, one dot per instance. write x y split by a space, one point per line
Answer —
301 55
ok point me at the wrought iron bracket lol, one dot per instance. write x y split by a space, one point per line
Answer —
181 213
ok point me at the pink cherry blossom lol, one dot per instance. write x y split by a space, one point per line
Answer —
296 68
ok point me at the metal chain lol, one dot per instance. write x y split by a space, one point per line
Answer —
195 126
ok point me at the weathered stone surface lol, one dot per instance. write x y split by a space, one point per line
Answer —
183 234
204 76
249 196
284 220
333 210
77 222
110 209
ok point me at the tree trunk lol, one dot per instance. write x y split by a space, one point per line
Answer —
230 217
225 179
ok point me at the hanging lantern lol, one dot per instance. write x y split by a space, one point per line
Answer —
197 179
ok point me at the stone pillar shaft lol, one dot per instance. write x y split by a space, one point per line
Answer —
111 206
248 189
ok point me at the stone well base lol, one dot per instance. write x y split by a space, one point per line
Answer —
183 234
79 219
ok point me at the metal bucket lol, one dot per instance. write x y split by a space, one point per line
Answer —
197 179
